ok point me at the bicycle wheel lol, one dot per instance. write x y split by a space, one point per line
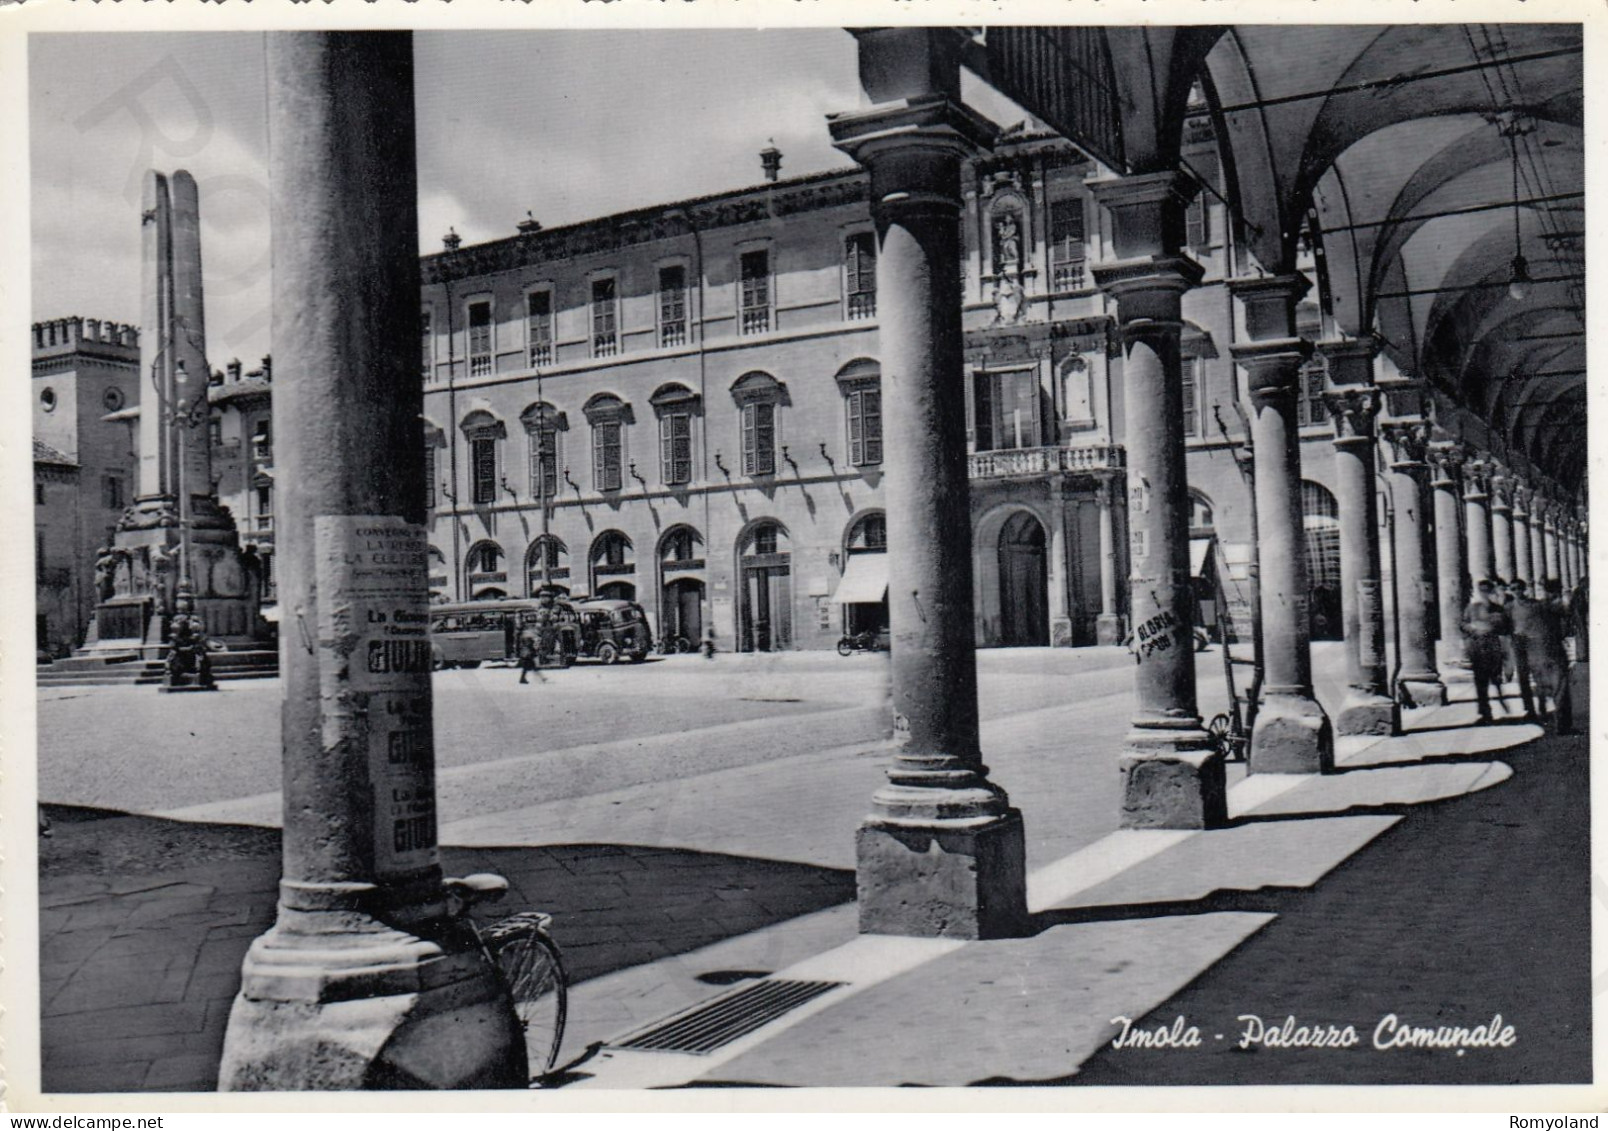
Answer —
533 968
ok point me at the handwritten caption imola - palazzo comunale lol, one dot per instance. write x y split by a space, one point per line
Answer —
1251 1031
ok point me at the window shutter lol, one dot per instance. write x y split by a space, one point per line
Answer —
765 438
856 431
750 449
667 457
1187 375
871 417
983 387
681 447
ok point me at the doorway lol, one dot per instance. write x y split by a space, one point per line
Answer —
1023 583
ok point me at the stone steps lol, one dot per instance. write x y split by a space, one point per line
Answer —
127 669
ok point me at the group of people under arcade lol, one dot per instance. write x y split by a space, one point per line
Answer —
1515 637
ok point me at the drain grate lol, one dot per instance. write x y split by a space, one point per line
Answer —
720 1021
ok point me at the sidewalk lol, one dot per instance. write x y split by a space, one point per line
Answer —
1442 876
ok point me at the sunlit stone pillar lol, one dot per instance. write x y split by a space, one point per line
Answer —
1353 405
1060 614
1502 526
942 851
1407 437
1292 732
1108 628
1538 550
1549 538
361 982
1447 460
1566 549
1477 521
1521 534
1171 775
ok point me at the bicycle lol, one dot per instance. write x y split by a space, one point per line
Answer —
528 961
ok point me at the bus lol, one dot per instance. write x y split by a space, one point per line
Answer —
467 634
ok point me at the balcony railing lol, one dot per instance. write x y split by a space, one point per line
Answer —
756 319
1014 462
480 365
673 333
1069 275
862 306
605 345
541 354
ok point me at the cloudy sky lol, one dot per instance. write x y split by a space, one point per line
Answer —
568 125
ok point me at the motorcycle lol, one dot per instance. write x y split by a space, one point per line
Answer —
870 640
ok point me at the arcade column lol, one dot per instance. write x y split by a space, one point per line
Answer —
1407 438
1447 460
1171 775
1293 734
1353 407
361 983
942 852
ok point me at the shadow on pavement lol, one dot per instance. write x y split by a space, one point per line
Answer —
144 923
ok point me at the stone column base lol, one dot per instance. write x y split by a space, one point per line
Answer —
1061 632
1426 690
1108 628
941 880
1173 785
367 1007
1366 712
1292 736
1451 657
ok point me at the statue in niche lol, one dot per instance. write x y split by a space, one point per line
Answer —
1007 244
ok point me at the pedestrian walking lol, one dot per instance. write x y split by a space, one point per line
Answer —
1524 612
1485 622
1550 662
527 656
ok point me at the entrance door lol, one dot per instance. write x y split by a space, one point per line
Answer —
1023 583
683 609
767 620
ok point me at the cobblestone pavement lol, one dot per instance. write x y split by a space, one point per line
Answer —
728 858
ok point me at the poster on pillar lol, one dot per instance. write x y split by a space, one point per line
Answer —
374 674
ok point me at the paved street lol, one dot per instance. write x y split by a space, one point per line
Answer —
690 824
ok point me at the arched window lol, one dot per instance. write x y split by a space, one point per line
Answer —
679 546
483 431
437 566
1320 520
608 416
759 398
551 549
484 566
611 557
543 423
1310 406
675 406
869 534
860 382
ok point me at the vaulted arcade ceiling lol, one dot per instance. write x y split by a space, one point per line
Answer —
1431 164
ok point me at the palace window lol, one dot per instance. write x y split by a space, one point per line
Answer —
480 360
39 493
1310 407
483 468
1005 410
605 318
426 346
1198 216
675 405
607 415
112 493
1068 256
430 473
870 534
756 292
860 276
539 328
1189 374
758 396
860 382
262 440
265 506
673 305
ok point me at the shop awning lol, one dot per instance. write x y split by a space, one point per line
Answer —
865 581
1198 549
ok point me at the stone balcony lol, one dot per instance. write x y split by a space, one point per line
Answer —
1015 463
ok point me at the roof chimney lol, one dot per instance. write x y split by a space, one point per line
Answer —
529 226
770 159
451 240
